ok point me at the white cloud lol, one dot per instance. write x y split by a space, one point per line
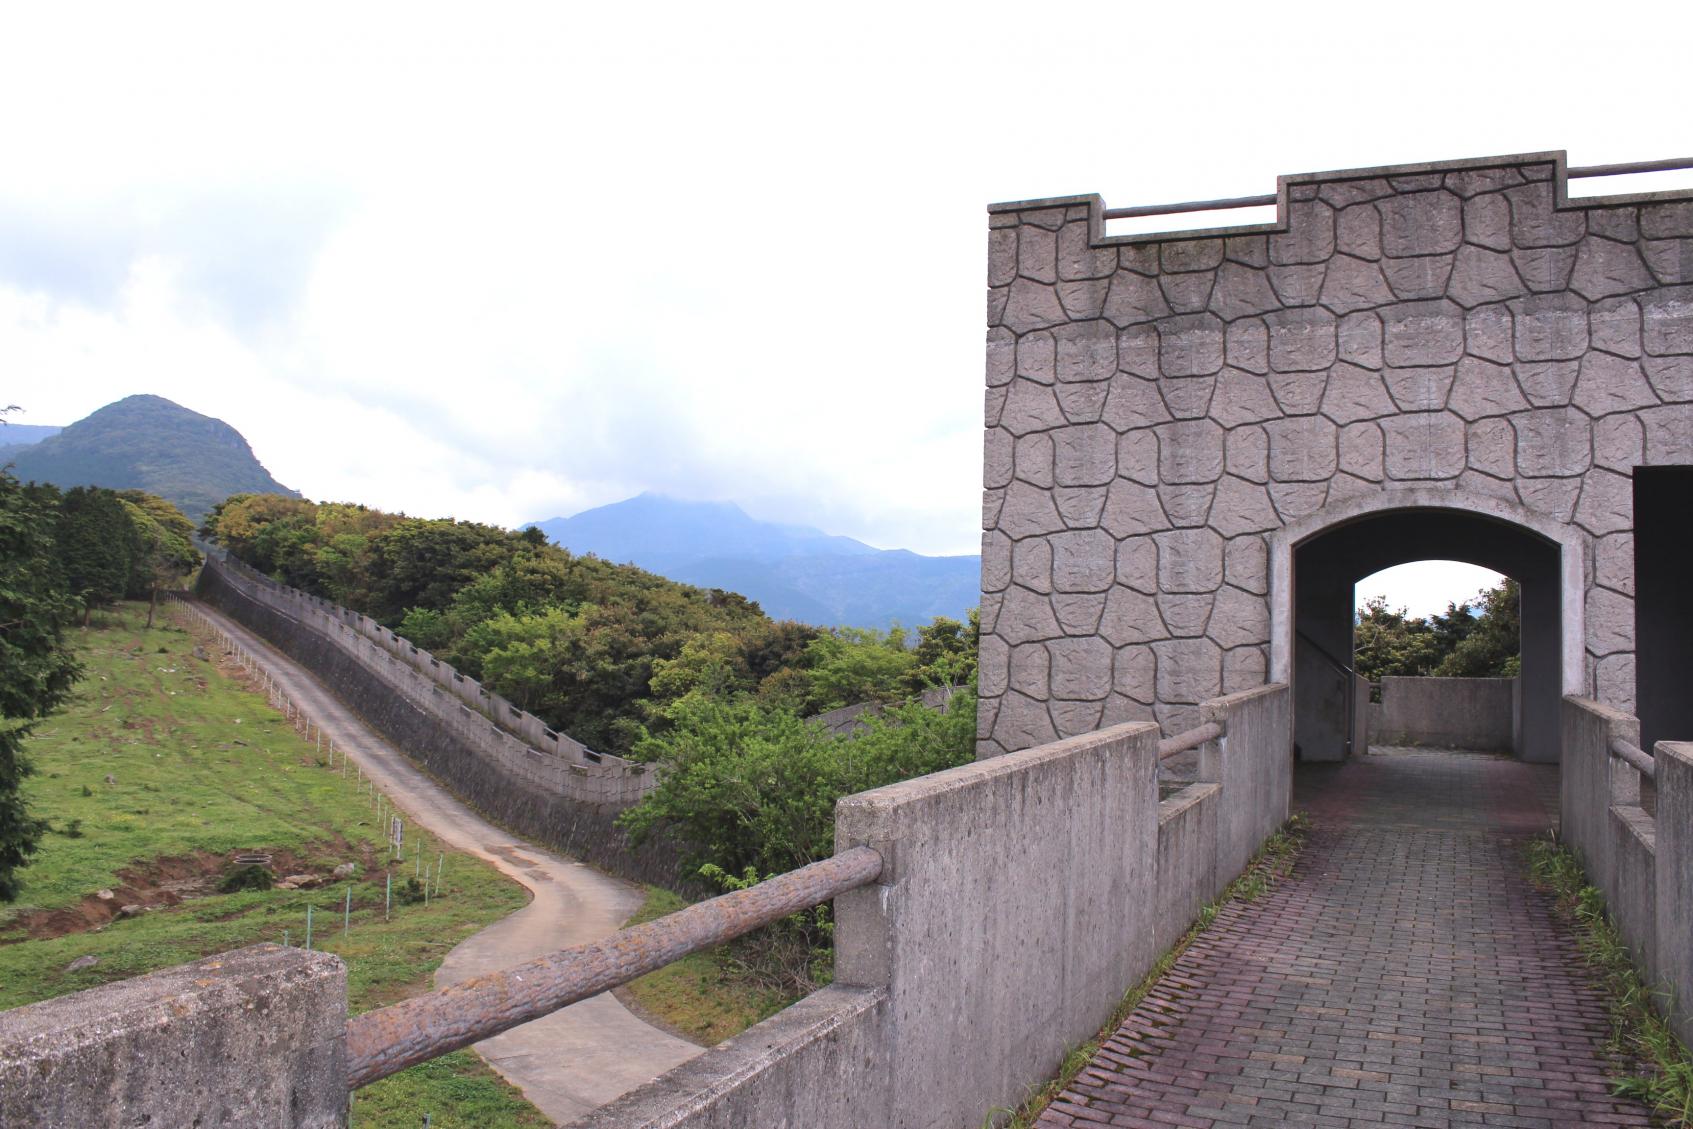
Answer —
1425 588
512 264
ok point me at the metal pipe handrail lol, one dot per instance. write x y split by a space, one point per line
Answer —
1190 206
387 1040
1668 164
1190 739
1635 756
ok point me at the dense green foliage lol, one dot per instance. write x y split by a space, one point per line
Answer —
149 443
751 787
37 668
1478 640
61 555
601 651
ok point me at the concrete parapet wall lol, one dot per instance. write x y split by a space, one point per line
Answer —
791 1070
569 806
1643 864
1020 897
252 1037
1457 713
1673 879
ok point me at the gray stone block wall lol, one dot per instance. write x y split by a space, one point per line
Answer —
1157 405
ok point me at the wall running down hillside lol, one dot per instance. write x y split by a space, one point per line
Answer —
540 783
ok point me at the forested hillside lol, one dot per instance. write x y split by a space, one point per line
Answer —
794 571
611 654
148 443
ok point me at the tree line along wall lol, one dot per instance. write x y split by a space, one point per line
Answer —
1158 407
569 806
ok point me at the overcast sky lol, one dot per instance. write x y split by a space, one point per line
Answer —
514 262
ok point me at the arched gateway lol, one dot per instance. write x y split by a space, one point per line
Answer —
1196 442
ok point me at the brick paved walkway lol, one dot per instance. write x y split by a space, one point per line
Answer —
1405 974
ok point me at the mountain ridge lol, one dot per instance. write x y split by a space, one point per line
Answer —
793 571
146 442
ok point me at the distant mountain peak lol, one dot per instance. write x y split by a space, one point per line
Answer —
793 571
146 442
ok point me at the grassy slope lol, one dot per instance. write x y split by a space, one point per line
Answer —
700 996
166 726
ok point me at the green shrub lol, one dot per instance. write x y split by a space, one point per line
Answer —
252 876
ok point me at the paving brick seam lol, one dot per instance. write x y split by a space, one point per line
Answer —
1404 973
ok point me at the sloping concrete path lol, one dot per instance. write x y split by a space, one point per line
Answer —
1405 974
570 1062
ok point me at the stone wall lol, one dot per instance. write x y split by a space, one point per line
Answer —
1158 405
555 803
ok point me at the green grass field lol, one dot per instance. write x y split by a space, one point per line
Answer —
159 769
703 996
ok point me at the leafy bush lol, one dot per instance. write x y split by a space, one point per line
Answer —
252 876
750 786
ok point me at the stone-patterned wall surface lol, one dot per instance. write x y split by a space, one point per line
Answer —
1157 405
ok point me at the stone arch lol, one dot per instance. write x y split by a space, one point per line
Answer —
1569 539
1316 561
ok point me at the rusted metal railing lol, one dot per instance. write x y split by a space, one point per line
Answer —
387 1040
1669 164
1190 739
1635 755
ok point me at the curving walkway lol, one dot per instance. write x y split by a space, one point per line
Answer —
1405 974
570 1062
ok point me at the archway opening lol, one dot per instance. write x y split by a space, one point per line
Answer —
1331 700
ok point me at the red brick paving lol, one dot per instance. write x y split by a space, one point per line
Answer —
1405 974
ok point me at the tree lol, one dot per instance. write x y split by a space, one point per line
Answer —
97 546
165 547
1492 646
37 668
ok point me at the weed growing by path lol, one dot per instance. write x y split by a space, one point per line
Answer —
1639 1035
1272 863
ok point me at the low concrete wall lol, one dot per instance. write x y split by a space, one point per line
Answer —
1458 713
789 1072
490 770
1642 864
1673 887
252 1037
1021 896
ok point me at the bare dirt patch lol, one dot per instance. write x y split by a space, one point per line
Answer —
164 882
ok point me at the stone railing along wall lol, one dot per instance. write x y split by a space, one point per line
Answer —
565 803
1159 405
1642 862
1454 713
1019 898
632 780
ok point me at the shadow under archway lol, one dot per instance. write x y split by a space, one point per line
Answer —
1328 564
